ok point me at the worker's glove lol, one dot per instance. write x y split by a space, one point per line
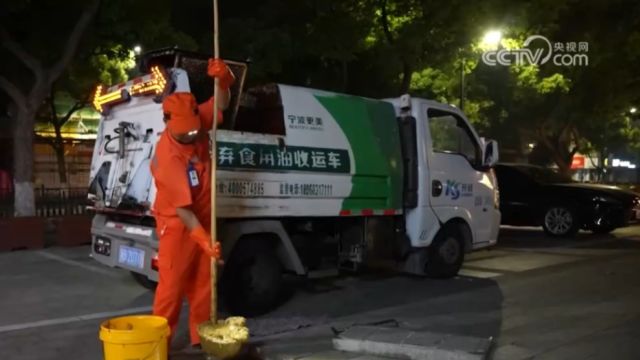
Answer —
218 69
203 239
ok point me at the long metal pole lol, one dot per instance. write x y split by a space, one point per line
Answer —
462 84
214 163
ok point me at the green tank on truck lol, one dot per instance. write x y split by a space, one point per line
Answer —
309 182
339 154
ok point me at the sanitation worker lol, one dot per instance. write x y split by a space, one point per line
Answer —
181 170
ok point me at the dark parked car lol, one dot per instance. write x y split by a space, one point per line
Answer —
536 196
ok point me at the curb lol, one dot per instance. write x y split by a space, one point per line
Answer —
406 344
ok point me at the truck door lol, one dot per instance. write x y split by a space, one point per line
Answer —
458 186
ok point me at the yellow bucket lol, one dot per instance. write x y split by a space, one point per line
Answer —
140 337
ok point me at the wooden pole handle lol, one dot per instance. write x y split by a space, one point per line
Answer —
214 163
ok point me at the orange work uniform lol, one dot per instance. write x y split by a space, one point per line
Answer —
182 174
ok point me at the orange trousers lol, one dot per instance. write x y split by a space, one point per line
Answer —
184 270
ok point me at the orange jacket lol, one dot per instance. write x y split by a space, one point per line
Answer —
182 172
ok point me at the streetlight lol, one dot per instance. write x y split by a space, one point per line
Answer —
490 40
137 49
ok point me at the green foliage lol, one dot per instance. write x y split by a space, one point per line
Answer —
113 70
529 77
432 83
380 48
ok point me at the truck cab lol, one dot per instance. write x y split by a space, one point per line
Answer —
453 168
309 182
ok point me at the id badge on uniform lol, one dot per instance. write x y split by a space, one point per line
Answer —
192 175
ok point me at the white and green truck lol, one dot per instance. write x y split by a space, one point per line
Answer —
309 182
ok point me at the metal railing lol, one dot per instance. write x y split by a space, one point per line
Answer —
50 202
6 204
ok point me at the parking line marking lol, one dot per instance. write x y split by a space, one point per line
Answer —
72 319
66 261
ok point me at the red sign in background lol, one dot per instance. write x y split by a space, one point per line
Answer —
578 162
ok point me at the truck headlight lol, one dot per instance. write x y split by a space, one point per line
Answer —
496 189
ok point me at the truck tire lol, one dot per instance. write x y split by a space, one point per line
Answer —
446 253
252 282
560 221
144 281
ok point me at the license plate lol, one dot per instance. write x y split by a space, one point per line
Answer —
131 257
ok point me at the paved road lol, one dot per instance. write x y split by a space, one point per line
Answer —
539 298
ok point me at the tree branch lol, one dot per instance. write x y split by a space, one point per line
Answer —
576 140
16 95
574 151
49 141
562 136
384 20
407 71
546 142
16 49
544 139
77 106
73 41
52 107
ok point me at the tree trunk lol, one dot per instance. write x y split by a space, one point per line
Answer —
62 165
407 70
59 150
406 77
602 155
564 168
28 104
345 75
23 164
563 158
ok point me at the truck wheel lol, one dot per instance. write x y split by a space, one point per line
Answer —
560 221
446 254
144 281
252 281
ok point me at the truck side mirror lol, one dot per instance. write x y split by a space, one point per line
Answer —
490 154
